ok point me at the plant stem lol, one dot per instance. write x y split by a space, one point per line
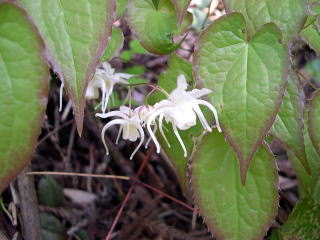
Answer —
125 178
144 163
166 195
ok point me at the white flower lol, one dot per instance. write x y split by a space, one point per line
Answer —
130 126
105 79
181 109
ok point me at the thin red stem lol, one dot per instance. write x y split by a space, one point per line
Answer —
166 195
123 204
145 160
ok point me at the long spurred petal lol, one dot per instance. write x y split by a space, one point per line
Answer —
141 141
161 130
154 132
175 130
119 134
60 97
214 111
105 128
199 113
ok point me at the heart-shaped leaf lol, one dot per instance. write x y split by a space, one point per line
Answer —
304 222
231 210
75 33
307 182
121 8
181 7
288 15
115 44
154 27
24 82
314 121
247 80
311 33
289 125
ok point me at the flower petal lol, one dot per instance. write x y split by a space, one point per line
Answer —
182 82
112 114
124 75
198 93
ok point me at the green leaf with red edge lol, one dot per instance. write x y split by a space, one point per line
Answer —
311 33
24 82
115 44
231 210
288 15
304 222
168 82
307 182
75 33
289 124
181 7
156 28
247 79
314 120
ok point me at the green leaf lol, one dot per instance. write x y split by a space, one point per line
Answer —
314 120
314 7
24 82
156 3
276 235
181 7
304 222
231 210
136 47
75 33
313 69
52 228
168 82
126 55
155 28
50 193
136 70
311 33
288 15
289 125
247 80
307 182
121 8
115 44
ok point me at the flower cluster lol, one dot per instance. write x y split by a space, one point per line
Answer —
181 108
105 79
